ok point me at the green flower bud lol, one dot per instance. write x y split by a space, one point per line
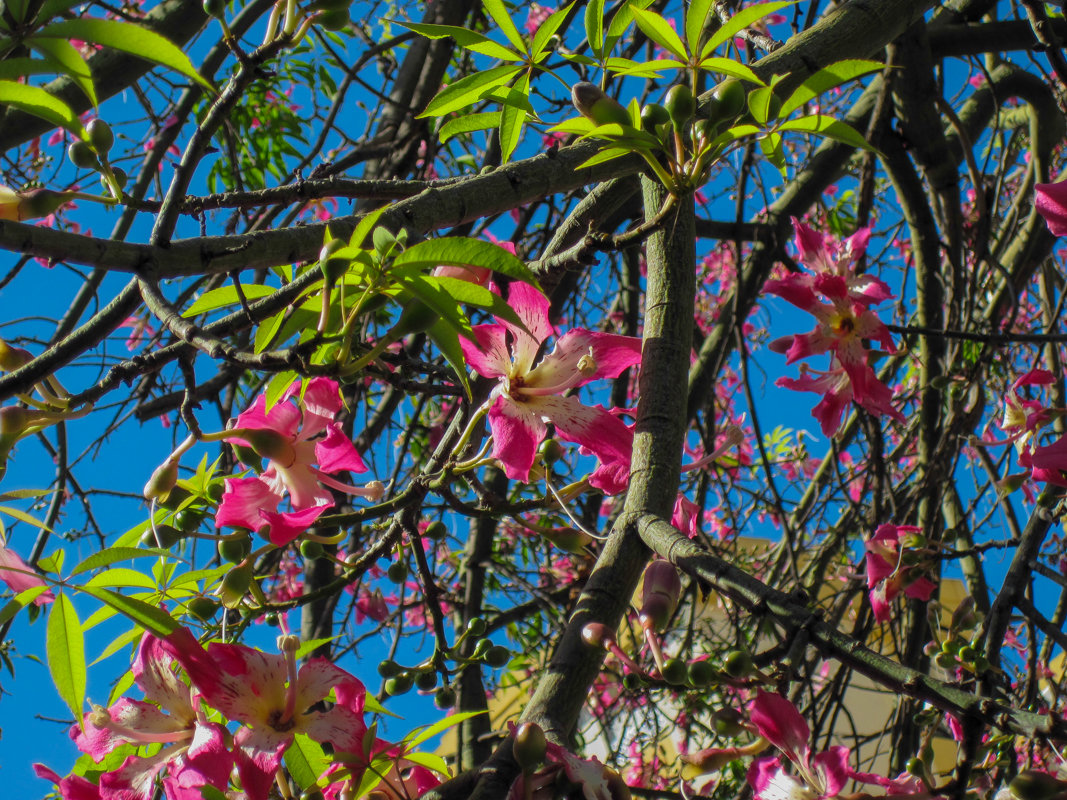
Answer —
675 672
215 8
738 664
311 550
660 590
235 585
652 116
426 681
445 698
399 684
203 608
596 106
82 155
497 656
680 105
727 101
235 549
334 19
100 136
728 722
529 746
397 572
701 673
162 481
436 530
476 627
389 668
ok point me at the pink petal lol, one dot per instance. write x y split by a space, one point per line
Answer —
136 778
342 727
300 479
516 433
287 526
832 769
152 670
1051 202
283 417
532 308
593 427
489 357
778 721
316 679
336 452
795 289
244 501
811 246
258 753
321 403
74 787
609 352
249 685
207 762
19 576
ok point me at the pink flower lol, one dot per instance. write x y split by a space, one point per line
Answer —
194 752
19 576
888 574
289 436
1051 202
274 699
536 15
530 395
73 787
140 328
822 775
839 300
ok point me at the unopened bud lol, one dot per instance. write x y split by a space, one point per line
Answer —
14 420
597 634
738 664
11 358
40 203
660 590
596 106
162 481
570 539
529 746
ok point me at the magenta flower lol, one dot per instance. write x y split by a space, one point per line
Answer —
73 787
822 775
194 752
888 574
19 576
839 300
1051 202
289 435
274 699
529 395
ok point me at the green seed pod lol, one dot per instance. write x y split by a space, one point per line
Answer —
680 105
727 722
945 660
675 672
215 491
596 106
311 550
203 608
100 136
476 627
445 698
701 673
497 656
916 767
174 498
215 8
631 681
529 746
235 585
652 116
235 549
416 317
389 668
550 451
426 681
333 20
399 684
397 572
738 664
968 654
481 649
1032 784
82 156
189 518
162 482
121 178
727 100
436 530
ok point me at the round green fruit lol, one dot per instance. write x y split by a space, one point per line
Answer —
445 698
399 684
333 20
675 672
235 549
189 519
389 668
728 100
680 105
215 8
497 656
426 681
203 608
529 746
397 572
81 155
100 136
652 116
168 536
436 530
476 627
701 673
311 550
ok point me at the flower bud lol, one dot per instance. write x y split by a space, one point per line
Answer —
235 585
661 588
596 106
11 358
529 746
680 105
162 481
100 136
40 203
597 634
14 420
738 664
570 539
727 721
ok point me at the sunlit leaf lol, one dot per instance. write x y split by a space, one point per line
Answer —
226 296
466 123
65 648
621 21
829 128
594 26
36 101
152 618
305 759
500 16
113 554
70 62
126 37
727 66
430 731
459 251
826 79
605 155
469 40
546 31
659 30
739 21
696 22
512 118
469 90
447 340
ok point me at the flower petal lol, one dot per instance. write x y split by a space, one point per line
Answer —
321 403
517 430
19 576
489 357
532 308
778 721
243 501
607 355
287 526
336 452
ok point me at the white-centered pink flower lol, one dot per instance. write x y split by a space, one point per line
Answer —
274 700
295 435
532 392
888 571
194 752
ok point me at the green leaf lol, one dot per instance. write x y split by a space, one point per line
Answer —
36 101
20 601
365 226
546 31
22 516
829 128
276 387
122 640
759 103
460 251
578 126
466 123
605 155
696 19
621 21
305 760
739 21
727 66
475 295
826 79
209 792
122 576
643 69
500 16
70 62
771 145
431 761
468 40
65 647
512 118
152 618
430 731
226 296
447 340
594 26
658 30
53 563
129 38
469 90
268 330
113 554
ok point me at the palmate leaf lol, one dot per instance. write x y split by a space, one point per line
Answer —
447 340
36 101
499 13
696 17
127 38
226 296
826 79
65 648
621 21
152 618
305 760
594 26
469 90
512 118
